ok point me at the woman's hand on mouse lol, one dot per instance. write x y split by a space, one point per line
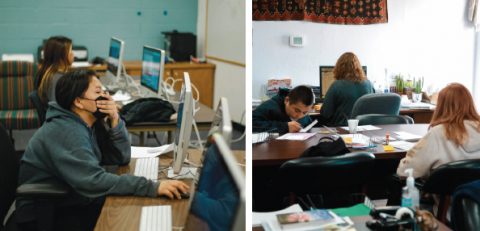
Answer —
172 188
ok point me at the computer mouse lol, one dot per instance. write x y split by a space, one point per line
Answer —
185 195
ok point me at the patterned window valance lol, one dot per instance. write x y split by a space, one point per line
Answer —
326 11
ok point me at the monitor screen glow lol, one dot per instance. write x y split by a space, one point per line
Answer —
152 68
115 56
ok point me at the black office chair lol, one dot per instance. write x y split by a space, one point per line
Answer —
9 166
335 178
466 207
384 103
378 119
445 179
39 105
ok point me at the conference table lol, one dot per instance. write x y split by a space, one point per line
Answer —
275 152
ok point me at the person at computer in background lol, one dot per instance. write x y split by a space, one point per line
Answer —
70 148
285 112
349 85
57 59
454 134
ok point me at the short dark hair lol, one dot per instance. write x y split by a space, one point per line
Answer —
72 85
303 94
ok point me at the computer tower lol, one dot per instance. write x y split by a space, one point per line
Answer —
180 46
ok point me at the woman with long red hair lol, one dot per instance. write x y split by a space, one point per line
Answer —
454 134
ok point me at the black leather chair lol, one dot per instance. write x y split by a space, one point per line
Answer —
445 179
9 166
384 103
466 207
377 119
39 105
325 177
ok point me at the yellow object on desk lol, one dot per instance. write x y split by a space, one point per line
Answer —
388 148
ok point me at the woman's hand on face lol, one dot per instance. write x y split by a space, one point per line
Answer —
109 107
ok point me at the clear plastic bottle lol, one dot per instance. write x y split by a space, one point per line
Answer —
406 198
413 191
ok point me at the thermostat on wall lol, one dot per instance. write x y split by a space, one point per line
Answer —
296 40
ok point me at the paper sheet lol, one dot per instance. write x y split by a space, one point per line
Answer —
407 136
149 152
258 217
404 145
363 128
296 136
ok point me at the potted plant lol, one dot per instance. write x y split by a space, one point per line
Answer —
417 90
399 83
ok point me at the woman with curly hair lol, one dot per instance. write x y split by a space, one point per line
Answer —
349 85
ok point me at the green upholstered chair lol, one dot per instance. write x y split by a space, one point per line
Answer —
16 82
378 119
384 103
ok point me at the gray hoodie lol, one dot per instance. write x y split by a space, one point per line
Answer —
65 151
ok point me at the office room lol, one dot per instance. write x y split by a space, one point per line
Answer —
392 90
122 115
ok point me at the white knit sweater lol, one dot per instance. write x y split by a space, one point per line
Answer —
434 150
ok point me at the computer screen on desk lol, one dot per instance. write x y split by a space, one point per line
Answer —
326 79
184 124
115 57
220 196
152 69
221 122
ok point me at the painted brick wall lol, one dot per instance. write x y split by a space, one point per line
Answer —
25 23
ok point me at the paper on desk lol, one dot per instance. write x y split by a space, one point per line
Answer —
407 136
258 217
149 152
259 137
363 128
296 136
404 145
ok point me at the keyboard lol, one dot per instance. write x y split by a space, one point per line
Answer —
147 167
156 218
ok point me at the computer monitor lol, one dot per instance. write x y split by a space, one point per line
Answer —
221 122
184 124
153 62
115 57
326 79
220 196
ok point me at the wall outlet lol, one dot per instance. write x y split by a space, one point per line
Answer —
297 40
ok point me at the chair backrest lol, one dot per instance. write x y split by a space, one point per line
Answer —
446 178
39 105
378 119
466 207
384 103
9 164
16 82
325 174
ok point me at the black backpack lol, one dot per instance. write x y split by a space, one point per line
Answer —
147 110
327 146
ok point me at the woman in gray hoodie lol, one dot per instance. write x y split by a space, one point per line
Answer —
70 149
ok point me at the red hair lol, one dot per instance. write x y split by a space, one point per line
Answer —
454 106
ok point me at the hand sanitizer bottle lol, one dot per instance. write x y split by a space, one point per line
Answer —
406 198
413 191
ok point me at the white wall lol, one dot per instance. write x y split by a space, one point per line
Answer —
430 38
229 79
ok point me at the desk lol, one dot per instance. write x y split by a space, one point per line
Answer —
418 115
276 152
123 212
203 118
359 223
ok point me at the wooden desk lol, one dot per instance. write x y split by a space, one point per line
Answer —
418 115
276 152
359 223
201 75
124 212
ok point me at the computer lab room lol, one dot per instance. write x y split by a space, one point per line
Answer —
122 115
365 115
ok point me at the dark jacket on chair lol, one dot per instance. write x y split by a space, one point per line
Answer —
271 115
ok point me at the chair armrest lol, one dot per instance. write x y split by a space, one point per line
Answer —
42 191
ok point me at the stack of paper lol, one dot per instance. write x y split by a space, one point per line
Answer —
407 136
296 136
363 128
